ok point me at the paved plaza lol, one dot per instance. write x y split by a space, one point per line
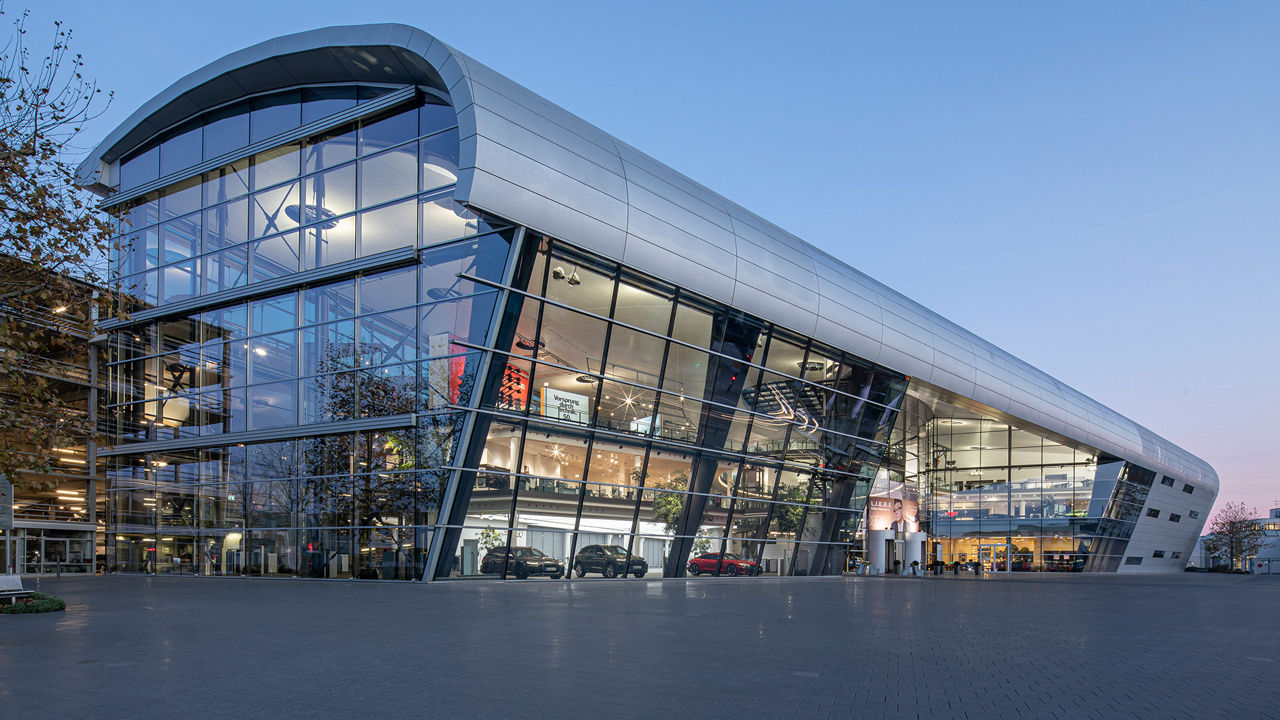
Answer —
1180 646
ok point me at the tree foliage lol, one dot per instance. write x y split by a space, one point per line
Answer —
53 243
1234 533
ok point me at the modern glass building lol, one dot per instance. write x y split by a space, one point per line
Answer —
390 316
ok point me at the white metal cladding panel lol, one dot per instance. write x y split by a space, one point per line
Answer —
605 178
695 224
695 204
647 255
532 162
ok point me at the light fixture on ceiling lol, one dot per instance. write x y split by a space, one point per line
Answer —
558 273
322 217
811 365
585 379
437 293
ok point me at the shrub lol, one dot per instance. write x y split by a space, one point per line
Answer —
38 602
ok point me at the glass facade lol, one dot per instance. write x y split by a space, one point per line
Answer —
362 380
993 496
297 358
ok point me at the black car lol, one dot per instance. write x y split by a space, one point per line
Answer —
523 562
608 560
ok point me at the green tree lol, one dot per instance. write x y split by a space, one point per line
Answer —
1234 533
54 243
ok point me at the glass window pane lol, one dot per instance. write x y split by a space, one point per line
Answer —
329 242
439 157
572 339
274 114
227 182
275 166
330 302
388 176
275 256
331 149
226 225
443 219
434 116
387 131
388 291
227 130
388 228
329 194
273 357
274 210
140 169
181 151
323 102
273 405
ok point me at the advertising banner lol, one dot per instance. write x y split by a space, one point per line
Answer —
894 514
565 405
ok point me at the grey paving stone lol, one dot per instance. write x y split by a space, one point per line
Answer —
1036 647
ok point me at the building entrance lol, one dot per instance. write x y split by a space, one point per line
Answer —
993 558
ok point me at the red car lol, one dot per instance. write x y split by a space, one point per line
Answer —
732 564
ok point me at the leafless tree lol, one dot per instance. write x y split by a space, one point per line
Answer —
1234 533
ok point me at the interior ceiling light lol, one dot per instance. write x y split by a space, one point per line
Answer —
436 293
585 379
322 217
811 365
525 343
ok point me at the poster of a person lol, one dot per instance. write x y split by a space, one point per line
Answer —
895 514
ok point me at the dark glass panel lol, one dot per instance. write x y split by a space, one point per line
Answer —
388 131
140 169
181 151
325 101
274 114
226 131
434 115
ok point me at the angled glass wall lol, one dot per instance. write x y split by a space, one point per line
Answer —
628 427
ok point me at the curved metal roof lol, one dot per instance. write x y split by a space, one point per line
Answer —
532 162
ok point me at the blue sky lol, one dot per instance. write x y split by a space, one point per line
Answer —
1092 186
